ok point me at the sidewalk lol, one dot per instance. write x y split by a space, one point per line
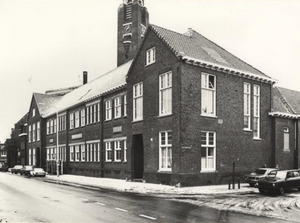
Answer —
144 188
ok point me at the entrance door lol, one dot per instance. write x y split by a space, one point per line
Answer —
138 156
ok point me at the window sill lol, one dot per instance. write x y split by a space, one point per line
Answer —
117 118
135 121
147 65
164 171
107 120
209 116
164 115
247 130
117 161
257 139
208 171
286 150
108 161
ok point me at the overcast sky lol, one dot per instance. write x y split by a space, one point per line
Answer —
46 44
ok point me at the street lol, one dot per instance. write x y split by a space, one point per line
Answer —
25 199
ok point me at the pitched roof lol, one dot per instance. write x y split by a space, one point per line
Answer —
113 80
286 101
198 50
46 103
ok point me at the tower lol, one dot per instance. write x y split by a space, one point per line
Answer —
133 19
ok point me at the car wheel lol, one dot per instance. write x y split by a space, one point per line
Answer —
281 190
262 191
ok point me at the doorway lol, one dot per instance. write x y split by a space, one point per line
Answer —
138 156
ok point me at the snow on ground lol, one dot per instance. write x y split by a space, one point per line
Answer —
246 200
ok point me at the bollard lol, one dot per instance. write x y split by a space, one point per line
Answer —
239 184
229 185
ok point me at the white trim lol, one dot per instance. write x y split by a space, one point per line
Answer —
92 103
127 41
61 114
50 147
127 34
284 115
76 143
22 134
115 139
214 66
93 141
62 145
129 23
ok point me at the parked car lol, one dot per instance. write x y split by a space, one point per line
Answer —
26 170
37 172
3 167
282 181
258 174
16 169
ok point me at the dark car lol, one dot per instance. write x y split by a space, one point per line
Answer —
16 169
258 174
282 181
26 170
3 167
37 172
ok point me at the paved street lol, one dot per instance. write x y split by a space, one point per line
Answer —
33 200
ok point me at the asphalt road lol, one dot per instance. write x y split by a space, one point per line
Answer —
25 199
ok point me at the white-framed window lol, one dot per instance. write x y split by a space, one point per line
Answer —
82 153
91 152
118 151
138 101
88 115
256 112
38 129
33 112
125 151
99 152
77 119
72 153
95 152
64 152
125 104
98 106
29 157
88 152
286 139
51 126
29 133
48 154
62 123
108 110
33 132
208 151
33 157
247 106
91 114
48 127
118 107
55 126
108 151
71 120
95 113
150 56
77 153
165 93
208 94
82 115
165 151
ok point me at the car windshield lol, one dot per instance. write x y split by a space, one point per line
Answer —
260 171
281 175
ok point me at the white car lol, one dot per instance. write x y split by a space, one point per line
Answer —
37 172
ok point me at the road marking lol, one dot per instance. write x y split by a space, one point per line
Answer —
146 216
100 203
120 209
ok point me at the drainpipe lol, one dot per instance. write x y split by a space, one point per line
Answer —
296 164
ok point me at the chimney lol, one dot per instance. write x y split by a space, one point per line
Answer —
190 32
85 77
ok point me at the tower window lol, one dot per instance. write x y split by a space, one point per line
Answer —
150 56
